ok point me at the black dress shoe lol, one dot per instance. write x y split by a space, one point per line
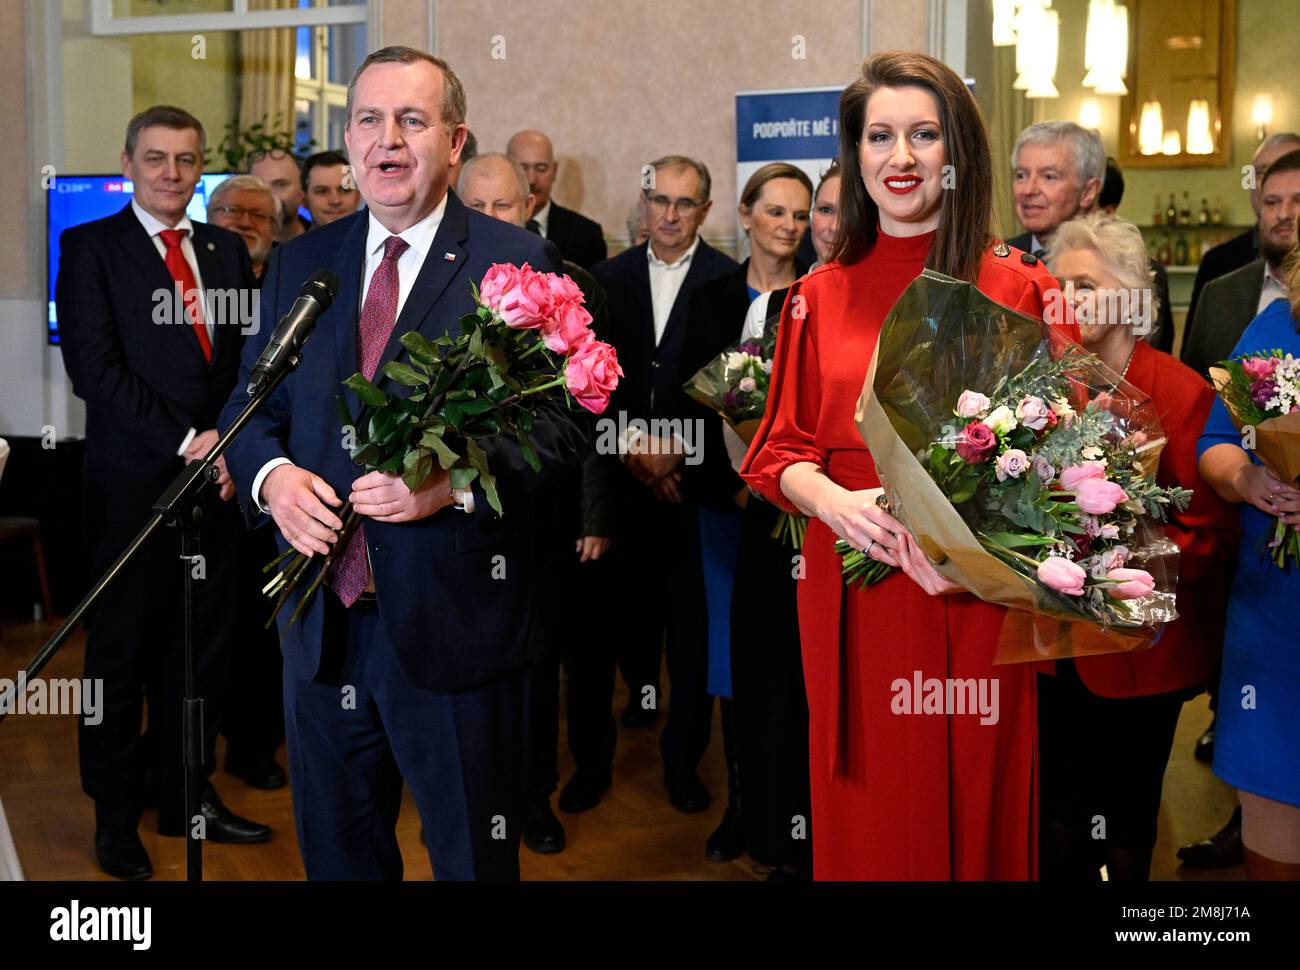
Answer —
1205 744
1220 851
583 792
264 776
728 840
687 793
635 716
121 854
543 832
221 825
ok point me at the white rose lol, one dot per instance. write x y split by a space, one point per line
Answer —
1001 420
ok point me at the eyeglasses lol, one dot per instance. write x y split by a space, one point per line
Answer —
661 204
238 211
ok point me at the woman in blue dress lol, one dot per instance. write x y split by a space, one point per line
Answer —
1257 743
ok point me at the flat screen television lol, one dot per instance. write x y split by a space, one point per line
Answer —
75 199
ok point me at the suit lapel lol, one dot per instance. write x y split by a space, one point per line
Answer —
140 249
205 253
436 273
642 300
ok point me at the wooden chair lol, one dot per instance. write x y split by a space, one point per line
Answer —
22 527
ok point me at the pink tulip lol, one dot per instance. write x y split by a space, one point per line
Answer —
1131 584
1096 496
1060 574
1073 475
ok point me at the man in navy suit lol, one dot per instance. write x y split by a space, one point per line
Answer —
154 371
655 559
411 663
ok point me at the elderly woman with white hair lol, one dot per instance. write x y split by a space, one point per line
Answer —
1106 724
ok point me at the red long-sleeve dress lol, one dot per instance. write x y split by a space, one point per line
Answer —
894 796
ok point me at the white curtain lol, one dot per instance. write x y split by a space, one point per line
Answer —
266 59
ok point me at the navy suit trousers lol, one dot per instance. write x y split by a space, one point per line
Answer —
360 729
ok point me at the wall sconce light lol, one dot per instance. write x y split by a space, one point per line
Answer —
1261 114
1173 144
1090 114
1199 140
1151 131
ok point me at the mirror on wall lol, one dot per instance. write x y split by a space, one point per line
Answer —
1178 110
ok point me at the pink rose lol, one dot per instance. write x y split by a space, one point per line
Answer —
1112 558
971 403
1033 413
570 328
1096 496
1060 574
501 278
1011 464
1131 584
1259 368
563 289
591 375
976 442
1072 476
527 305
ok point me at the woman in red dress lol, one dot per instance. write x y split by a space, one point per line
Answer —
896 795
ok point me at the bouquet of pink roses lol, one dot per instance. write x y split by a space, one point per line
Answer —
1022 465
528 338
1262 394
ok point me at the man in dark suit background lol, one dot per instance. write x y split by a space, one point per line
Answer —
1230 302
154 371
411 663
1058 169
573 536
579 239
1240 250
655 559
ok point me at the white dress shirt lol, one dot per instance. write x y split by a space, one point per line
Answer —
666 281
153 226
1274 288
419 238
543 219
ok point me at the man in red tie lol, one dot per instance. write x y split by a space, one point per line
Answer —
153 309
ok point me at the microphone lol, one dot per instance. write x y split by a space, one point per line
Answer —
294 328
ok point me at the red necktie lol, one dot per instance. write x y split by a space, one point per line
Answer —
378 315
179 267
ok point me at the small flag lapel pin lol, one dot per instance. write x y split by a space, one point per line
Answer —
449 257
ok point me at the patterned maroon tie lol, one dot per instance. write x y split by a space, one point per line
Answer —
378 315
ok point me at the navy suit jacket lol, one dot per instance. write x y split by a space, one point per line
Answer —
580 240
145 383
648 366
456 592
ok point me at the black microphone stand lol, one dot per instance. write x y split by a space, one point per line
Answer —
179 506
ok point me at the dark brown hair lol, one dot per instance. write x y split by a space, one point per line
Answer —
966 212
163 116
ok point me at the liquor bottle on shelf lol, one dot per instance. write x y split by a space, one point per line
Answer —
1159 215
1216 217
1206 245
1203 217
1180 251
1185 213
1162 253
1171 213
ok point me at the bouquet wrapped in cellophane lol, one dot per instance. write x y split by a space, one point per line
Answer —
1025 469
528 339
735 385
1262 393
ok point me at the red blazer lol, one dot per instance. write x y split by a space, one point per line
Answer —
1188 650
